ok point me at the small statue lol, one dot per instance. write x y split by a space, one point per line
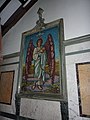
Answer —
40 12
40 22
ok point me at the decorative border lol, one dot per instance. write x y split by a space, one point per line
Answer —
63 94
79 96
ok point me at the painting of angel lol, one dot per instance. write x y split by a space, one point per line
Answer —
41 62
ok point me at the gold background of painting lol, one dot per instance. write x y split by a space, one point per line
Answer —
84 84
6 85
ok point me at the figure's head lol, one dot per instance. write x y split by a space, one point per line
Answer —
50 37
39 42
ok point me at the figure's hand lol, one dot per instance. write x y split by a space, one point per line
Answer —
42 50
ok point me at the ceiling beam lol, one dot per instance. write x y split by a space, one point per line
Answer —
4 5
16 17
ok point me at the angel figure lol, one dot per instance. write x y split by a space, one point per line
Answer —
41 55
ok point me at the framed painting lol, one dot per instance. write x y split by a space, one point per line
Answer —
41 73
83 81
6 86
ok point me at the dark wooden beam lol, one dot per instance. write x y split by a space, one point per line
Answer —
16 17
4 5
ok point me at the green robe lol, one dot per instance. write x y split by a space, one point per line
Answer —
39 64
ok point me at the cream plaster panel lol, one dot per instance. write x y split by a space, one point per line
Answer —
73 102
40 109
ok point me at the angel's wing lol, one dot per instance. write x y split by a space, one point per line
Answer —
29 58
49 47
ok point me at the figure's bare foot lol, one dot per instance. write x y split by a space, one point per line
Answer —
40 87
33 87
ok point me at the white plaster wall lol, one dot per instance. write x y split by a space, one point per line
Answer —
74 12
